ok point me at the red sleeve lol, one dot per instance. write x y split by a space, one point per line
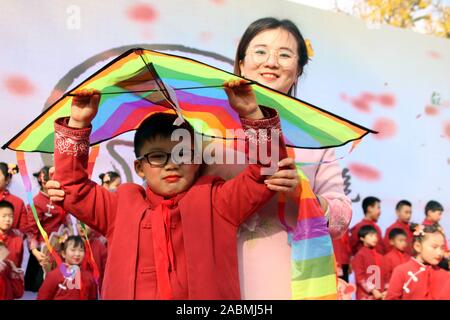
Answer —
32 228
15 248
92 294
84 199
354 240
49 287
386 269
17 284
359 267
238 198
387 242
395 290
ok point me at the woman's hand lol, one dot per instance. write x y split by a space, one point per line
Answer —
242 99
285 179
84 108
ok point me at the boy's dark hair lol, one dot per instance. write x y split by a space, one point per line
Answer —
396 232
368 202
76 240
433 206
157 125
6 204
402 203
365 230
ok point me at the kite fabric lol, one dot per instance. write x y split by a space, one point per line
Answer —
141 82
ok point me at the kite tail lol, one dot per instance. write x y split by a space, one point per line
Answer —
313 265
27 184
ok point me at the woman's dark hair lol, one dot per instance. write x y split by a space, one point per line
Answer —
44 170
76 240
270 23
111 174
157 125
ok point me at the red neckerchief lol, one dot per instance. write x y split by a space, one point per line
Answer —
162 241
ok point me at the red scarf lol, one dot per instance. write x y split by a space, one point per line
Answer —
162 241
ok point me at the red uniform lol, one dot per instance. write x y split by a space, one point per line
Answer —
409 235
50 216
356 244
202 224
56 287
20 221
13 240
416 281
391 260
367 266
342 250
11 283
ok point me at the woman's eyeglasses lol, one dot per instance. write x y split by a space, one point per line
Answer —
284 57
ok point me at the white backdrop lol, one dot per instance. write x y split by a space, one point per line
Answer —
388 79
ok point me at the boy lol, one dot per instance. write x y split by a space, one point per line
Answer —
397 255
367 266
403 211
372 211
180 227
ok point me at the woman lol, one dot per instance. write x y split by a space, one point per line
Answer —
274 53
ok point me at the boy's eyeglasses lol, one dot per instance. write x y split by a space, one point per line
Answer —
160 158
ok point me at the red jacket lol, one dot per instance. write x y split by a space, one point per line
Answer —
356 244
20 221
391 260
204 219
11 283
342 250
416 281
13 240
399 225
50 216
100 254
367 266
55 287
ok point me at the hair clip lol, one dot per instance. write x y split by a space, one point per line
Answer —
309 49
418 231
13 168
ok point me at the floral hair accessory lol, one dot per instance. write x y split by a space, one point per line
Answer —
309 49
13 168
418 231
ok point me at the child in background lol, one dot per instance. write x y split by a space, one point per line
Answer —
403 211
372 211
110 180
367 266
420 278
20 213
398 240
433 215
343 253
51 218
70 281
99 251
11 278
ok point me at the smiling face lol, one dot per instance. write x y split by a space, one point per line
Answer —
431 249
170 179
73 255
271 59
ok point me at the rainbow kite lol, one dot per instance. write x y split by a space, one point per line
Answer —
141 82
138 83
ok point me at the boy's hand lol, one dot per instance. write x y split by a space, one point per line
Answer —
242 99
285 179
377 294
84 108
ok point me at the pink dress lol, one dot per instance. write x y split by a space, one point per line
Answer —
264 254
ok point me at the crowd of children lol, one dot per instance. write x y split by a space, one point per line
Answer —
411 262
